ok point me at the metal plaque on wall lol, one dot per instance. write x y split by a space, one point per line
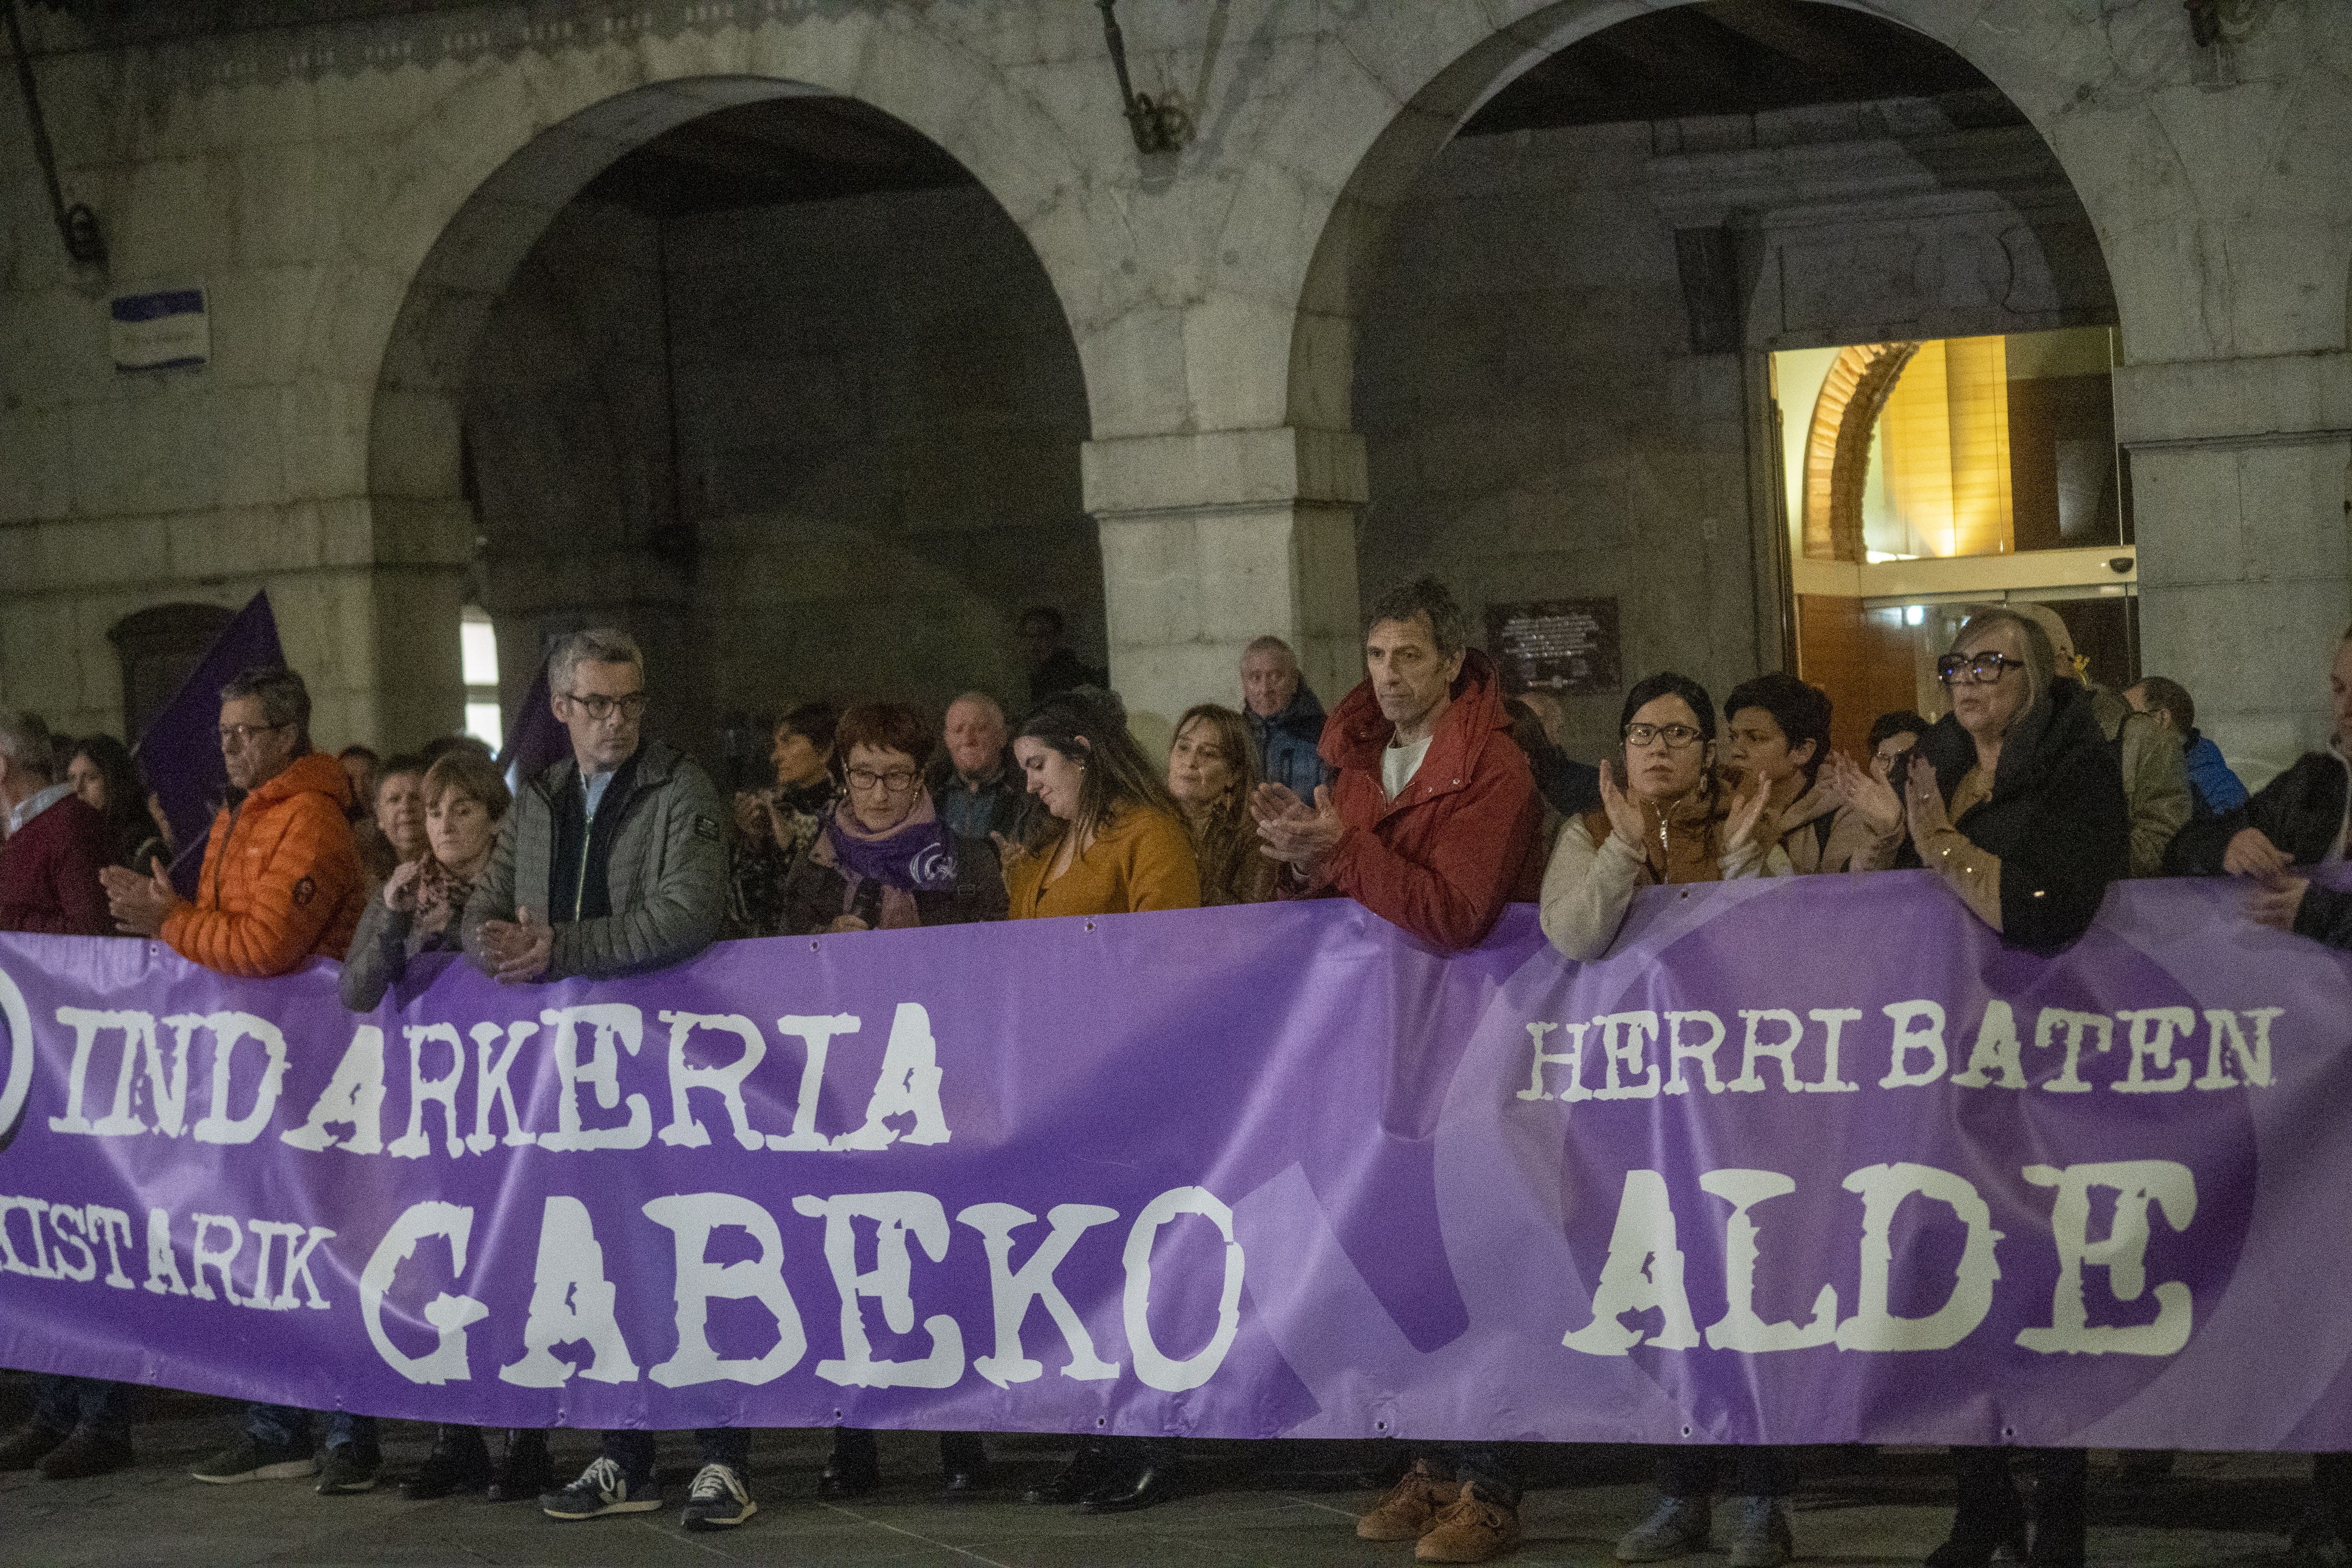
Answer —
1569 645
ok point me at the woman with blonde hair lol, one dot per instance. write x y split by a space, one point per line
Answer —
1212 773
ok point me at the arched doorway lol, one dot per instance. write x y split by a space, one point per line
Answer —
1559 276
761 374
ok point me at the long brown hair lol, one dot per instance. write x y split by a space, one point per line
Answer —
1225 839
1089 727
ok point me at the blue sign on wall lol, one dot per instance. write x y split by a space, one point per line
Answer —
165 331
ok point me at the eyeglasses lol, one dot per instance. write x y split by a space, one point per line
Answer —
1675 736
898 781
600 708
243 734
1981 670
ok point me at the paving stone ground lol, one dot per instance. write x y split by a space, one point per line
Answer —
1287 1504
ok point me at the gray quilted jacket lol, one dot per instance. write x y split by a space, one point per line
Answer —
666 877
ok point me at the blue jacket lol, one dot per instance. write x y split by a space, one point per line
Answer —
1287 743
2218 790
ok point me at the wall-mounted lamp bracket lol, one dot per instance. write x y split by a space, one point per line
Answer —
78 228
1162 126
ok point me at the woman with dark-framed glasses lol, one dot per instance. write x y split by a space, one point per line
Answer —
1665 818
2014 799
881 858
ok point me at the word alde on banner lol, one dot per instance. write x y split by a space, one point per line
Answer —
1645 1271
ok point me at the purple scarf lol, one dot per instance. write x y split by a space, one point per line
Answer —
916 856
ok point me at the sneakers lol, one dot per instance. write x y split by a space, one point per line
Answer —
718 1499
1471 1528
1680 1525
602 1488
250 1460
26 1445
1411 1507
347 1469
1761 1536
86 1454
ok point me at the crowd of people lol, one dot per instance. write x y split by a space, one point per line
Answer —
1429 794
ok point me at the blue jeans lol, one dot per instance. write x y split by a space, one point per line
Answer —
88 1404
289 1428
633 1450
1752 1470
1485 1463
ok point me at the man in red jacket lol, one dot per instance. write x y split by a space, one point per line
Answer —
56 844
1434 822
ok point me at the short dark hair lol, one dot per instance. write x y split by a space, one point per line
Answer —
407 764
888 727
813 722
1047 613
1667 683
1802 711
284 698
440 746
1902 722
365 753
1448 627
2173 699
471 774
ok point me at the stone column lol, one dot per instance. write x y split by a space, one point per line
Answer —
1211 539
2240 471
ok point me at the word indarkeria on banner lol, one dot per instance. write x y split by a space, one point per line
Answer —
589 1043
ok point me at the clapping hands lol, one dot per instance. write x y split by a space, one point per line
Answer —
1291 830
1867 791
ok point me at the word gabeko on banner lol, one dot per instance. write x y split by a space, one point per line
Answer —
1807 1160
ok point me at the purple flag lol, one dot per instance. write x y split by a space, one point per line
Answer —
1807 1159
535 741
180 749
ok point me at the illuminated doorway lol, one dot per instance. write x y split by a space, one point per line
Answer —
1925 477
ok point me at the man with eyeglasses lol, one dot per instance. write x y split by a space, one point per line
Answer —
611 861
281 884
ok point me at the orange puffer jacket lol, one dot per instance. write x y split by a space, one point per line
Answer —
281 881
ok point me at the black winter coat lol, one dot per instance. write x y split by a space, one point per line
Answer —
2301 812
2057 818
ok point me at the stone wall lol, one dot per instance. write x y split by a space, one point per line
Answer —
352 191
1537 421
876 411
880 415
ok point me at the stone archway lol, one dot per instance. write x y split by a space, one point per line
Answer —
1675 517
1413 91
442 211
1837 444
578 525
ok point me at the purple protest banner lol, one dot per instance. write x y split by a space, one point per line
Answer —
1804 1160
